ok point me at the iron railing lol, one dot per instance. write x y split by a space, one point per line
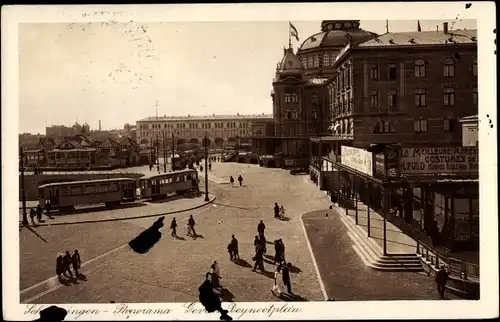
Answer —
455 267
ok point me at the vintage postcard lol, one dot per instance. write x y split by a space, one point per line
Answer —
249 161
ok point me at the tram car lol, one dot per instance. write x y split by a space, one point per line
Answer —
159 186
65 195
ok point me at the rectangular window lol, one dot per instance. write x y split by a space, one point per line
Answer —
449 97
326 60
374 100
392 100
448 125
419 97
316 61
374 72
420 126
474 97
392 72
295 115
419 70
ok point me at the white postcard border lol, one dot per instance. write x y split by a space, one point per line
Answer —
482 11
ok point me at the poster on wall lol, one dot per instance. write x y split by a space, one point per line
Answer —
357 159
463 160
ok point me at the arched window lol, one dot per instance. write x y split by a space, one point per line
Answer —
384 127
449 67
419 68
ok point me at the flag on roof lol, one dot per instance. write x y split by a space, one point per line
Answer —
293 31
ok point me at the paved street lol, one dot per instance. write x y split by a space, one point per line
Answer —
345 276
174 268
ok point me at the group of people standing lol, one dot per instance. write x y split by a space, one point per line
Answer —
240 180
279 211
190 227
66 261
38 212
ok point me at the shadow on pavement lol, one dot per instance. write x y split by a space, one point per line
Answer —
82 277
179 238
295 270
285 218
197 236
226 295
230 206
268 274
34 232
293 297
242 263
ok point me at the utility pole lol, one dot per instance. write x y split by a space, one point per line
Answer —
164 153
173 150
23 192
206 167
158 153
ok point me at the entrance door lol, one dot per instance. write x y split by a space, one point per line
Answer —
156 187
54 197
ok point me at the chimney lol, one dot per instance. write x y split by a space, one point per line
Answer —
99 125
445 27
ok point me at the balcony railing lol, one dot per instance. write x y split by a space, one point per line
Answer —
455 267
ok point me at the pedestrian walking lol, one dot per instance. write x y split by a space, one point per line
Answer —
76 262
282 250
261 227
67 264
256 243
201 167
277 252
173 226
286 278
32 215
210 166
230 250
47 207
441 279
259 259
276 210
262 243
231 179
240 179
234 243
59 265
278 286
282 212
191 224
39 212
215 275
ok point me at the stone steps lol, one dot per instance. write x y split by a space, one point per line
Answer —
372 254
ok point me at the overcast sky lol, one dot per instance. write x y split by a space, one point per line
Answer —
116 72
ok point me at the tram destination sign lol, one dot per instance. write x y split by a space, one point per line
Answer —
358 159
434 160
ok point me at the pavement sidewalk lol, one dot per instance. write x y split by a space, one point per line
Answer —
125 211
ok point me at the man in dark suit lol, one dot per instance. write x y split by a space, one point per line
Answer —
286 278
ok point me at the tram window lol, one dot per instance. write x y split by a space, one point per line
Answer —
102 188
75 191
89 189
63 191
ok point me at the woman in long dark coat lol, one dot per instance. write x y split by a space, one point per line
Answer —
59 264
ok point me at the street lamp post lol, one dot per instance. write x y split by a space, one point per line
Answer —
23 193
206 167
158 153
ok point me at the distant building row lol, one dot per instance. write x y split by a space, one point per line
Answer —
220 129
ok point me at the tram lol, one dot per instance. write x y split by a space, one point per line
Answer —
65 195
159 186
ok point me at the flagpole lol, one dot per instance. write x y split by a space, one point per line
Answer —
387 25
289 35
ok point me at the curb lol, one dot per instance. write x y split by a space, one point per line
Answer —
315 264
212 199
